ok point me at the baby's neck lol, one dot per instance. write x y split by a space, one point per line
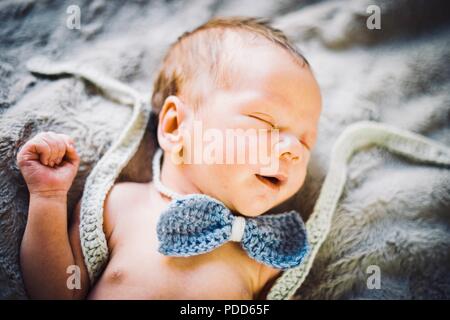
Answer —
173 178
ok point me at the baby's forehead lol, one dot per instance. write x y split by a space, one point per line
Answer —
243 44
240 53
266 65
220 58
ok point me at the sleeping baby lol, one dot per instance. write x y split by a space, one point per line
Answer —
201 228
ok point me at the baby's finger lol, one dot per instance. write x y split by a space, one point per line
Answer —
72 156
47 137
42 148
71 152
68 140
34 149
61 148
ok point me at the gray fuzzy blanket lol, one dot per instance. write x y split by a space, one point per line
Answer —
394 214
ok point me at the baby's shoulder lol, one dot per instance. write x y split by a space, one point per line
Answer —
131 191
123 197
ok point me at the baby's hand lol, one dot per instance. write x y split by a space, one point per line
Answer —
49 163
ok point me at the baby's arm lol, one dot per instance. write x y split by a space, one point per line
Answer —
49 163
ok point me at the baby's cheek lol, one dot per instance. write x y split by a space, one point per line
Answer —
305 157
297 178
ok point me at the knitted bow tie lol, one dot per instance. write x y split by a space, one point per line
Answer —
196 224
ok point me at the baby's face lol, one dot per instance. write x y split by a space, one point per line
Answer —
273 101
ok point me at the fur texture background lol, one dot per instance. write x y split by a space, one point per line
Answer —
394 213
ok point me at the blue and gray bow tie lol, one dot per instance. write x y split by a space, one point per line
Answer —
196 224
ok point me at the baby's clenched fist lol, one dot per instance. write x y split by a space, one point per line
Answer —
48 163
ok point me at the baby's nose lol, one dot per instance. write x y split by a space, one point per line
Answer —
289 148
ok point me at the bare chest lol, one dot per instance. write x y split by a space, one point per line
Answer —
137 270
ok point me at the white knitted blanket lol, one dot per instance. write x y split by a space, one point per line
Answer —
392 212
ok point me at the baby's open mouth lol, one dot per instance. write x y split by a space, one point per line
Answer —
273 182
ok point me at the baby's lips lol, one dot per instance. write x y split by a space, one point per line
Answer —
280 176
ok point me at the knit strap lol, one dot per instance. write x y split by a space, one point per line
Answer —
354 138
156 173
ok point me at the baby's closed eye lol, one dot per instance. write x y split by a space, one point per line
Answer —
261 119
271 124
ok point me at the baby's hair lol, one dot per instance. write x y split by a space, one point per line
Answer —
202 54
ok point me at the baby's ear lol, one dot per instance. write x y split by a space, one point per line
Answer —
171 118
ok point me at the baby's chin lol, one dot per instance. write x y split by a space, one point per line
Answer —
253 205
254 208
